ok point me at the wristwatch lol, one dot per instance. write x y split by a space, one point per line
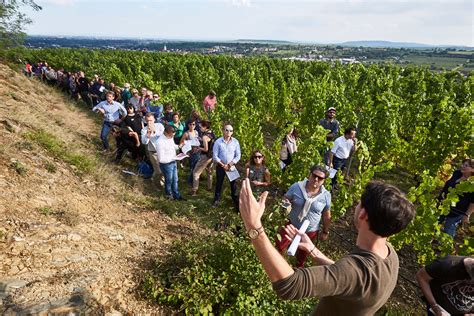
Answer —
253 233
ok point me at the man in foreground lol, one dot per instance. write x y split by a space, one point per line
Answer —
358 283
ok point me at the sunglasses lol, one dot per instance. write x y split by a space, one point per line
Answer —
229 130
258 157
156 97
316 177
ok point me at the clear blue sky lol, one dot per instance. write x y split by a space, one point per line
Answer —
322 21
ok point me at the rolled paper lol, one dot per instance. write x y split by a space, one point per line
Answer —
296 241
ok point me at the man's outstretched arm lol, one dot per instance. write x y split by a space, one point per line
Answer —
251 212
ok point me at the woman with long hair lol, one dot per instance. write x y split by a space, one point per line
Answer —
257 172
288 146
462 210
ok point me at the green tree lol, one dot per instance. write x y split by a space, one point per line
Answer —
12 21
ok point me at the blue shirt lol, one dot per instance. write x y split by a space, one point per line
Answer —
112 111
226 152
320 204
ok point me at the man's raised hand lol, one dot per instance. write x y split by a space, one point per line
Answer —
251 210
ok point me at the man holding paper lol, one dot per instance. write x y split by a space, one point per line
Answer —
357 284
310 201
226 155
166 151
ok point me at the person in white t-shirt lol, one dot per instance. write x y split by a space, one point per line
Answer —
166 150
342 149
149 137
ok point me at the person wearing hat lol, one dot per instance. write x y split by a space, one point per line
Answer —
209 102
330 123
126 94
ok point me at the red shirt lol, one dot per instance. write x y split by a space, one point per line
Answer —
209 104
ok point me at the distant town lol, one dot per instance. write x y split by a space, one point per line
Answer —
437 58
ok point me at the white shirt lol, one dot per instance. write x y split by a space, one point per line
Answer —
166 149
152 141
342 147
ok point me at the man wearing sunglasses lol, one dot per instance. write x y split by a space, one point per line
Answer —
309 200
226 155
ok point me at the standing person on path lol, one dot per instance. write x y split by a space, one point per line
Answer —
309 200
462 210
205 159
343 147
112 111
135 100
191 135
97 91
149 137
256 170
126 94
83 88
226 155
357 284
178 127
133 119
210 102
330 123
166 150
288 146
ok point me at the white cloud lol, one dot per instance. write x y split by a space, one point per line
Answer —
241 3
58 2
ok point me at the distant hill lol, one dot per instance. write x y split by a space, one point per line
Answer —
262 41
389 44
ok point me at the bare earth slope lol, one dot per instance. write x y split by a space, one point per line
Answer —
69 241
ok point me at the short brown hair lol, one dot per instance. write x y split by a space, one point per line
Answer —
388 209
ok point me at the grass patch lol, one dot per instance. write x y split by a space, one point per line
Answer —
45 210
50 167
60 150
19 168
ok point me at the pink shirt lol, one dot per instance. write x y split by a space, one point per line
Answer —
209 104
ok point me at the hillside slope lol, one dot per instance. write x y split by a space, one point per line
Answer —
75 235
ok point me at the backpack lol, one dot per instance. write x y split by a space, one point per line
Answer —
210 145
145 170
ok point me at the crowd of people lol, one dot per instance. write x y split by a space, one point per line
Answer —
157 135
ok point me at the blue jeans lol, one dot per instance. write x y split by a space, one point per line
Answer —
193 159
338 164
451 223
170 171
104 133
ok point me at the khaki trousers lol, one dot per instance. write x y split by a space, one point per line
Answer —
158 177
204 163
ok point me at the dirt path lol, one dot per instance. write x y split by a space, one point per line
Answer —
68 243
